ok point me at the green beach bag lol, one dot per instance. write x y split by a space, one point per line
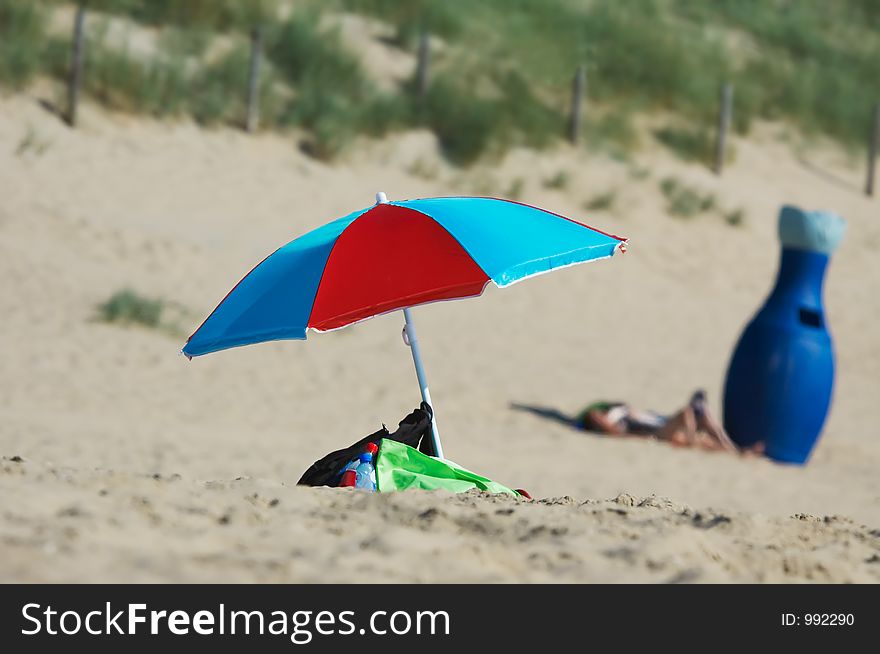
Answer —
401 467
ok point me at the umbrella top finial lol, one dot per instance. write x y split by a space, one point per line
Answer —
381 198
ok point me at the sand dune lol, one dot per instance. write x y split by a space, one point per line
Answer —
141 466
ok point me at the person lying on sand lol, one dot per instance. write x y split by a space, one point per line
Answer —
692 426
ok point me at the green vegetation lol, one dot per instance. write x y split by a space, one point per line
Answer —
33 142
639 172
122 81
468 123
735 217
559 181
462 121
22 47
213 15
128 307
683 201
613 131
690 144
602 201
502 77
810 61
334 99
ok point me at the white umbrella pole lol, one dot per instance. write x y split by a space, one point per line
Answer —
410 338
413 342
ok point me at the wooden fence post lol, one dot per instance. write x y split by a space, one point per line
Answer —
873 150
578 91
76 65
422 65
724 116
253 90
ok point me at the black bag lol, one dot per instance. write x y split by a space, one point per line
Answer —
414 430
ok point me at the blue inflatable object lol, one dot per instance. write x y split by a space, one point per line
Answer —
780 380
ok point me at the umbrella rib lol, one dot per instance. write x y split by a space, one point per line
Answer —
504 285
326 261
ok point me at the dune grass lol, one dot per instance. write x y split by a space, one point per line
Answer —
602 201
213 15
127 307
689 144
333 98
687 202
22 41
120 80
558 181
735 217
32 143
503 75
463 122
684 201
809 61
470 123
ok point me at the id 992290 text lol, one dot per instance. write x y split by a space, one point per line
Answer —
818 619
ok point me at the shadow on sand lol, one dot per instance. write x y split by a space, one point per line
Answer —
548 413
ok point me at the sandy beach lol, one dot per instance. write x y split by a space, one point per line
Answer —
124 462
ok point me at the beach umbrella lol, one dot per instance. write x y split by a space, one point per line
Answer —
396 255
